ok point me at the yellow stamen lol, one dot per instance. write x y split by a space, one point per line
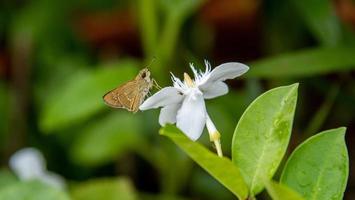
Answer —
188 80
215 138
217 143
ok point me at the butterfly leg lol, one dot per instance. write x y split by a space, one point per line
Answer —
156 85
149 93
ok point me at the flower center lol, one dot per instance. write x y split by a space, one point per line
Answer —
188 80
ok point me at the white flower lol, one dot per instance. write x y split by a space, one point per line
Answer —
184 103
29 164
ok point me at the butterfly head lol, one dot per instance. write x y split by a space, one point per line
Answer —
144 74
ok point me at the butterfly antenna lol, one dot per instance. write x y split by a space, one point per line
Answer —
151 62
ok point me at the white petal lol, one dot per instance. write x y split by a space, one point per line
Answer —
210 125
166 96
27 163
223 72
168 114
214 90
227 71
191 117
53 179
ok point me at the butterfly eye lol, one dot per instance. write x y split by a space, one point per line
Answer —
144 74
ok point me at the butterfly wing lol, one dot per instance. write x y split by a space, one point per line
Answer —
124 96
142 90
137 101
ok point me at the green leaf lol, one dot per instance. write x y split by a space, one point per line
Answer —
104 189
262 135
304 63
181 8
81 97
177 12
319 167
31 190
6 178
320 16
148 26
221 169
107 139
281 192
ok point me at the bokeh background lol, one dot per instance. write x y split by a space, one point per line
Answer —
58 58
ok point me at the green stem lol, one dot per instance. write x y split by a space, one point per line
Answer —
321 115
148 26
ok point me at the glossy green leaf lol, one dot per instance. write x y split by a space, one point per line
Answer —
107 139
318 169
309 62
321 18
32 190
221 169
104 189
281 192
81 97
262 135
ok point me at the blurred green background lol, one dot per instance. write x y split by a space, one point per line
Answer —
58 58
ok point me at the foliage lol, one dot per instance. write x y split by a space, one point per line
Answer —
319 167
259 144
278 191
216 166
84 89
262 135
58 59
32 190
113 189
296 64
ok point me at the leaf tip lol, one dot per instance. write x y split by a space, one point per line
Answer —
342 129
294 86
